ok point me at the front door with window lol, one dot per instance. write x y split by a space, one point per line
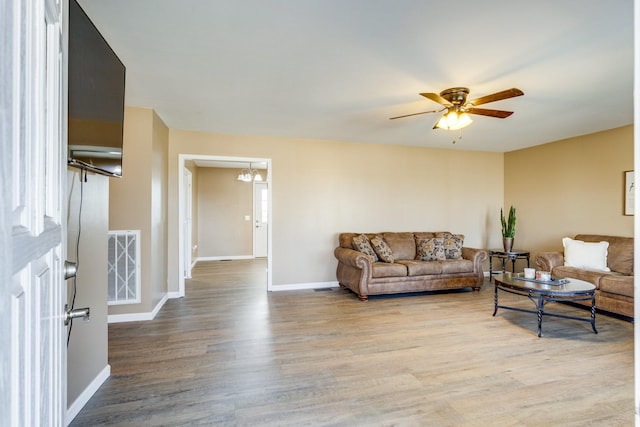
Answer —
261 219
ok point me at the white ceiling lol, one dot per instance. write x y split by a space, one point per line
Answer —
338 69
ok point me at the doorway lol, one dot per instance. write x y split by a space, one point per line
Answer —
262 235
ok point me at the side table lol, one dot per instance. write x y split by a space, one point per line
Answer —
503 256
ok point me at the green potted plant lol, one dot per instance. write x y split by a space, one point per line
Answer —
508 228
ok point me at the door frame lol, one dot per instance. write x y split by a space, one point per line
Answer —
187 223
182 158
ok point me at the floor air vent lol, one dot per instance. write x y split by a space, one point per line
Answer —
124 268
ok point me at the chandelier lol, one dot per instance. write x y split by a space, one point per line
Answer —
250 174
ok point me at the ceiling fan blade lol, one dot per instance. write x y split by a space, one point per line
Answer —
501 114
414 114
437 98
509 93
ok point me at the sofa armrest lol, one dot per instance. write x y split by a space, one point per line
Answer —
353 258
478 256
354 270
547 260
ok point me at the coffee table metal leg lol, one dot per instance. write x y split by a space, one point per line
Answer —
593 313
495 300
490 268
540 310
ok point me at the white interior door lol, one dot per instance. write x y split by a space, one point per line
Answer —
261 219
188 221
32 290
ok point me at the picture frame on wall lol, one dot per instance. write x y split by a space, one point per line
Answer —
629 192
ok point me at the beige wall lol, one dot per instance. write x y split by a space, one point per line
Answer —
223 203
568 187
159 203
138 201
321 188
87 350
341 186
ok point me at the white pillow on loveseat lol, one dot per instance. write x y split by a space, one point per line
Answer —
588 255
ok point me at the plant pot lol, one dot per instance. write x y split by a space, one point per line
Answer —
507 243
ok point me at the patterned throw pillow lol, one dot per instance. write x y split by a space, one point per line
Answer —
452 244
361 243
382 249
431 249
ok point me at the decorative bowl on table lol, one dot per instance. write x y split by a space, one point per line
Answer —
543 275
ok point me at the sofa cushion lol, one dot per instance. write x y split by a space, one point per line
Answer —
422 268
452 266
361 243
382 249
346 239
403 245
423 235
384 269
620 252
589 255
430 249
617 284
452 244
591 276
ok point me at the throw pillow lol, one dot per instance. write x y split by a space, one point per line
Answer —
382 249
452 244
589 255
361 243
431 249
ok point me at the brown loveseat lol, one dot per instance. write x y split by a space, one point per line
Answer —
614 289
365 276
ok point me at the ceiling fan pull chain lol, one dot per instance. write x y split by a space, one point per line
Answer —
459 136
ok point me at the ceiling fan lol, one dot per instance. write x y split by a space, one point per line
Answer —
458 108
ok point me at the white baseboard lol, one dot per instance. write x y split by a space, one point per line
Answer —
84 397
137 317
174 295
302 286
222 258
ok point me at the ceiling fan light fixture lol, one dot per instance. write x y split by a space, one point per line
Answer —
454 120
454 100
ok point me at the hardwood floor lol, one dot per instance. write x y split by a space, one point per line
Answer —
230 353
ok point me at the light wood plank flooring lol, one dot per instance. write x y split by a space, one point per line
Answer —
230 353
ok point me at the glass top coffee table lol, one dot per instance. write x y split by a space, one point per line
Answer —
542 292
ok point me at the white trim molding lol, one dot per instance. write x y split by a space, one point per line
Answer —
87 393
223 258
137 317
304 286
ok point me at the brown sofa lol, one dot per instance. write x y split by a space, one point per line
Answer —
358 272
614 289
